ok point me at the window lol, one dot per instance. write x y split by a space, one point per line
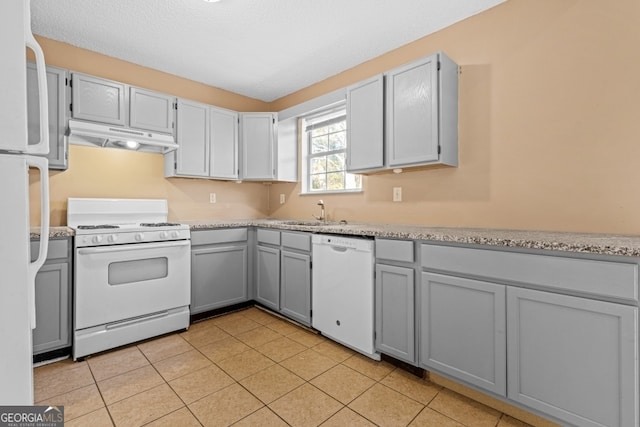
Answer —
326 144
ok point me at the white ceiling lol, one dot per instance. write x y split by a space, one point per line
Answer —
264 49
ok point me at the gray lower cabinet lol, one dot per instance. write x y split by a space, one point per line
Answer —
53 298
295 286
395 332
219 269
395 299
463 330
268 276
57 89
283 273
573 358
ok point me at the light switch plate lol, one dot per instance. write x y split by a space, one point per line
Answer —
212 197
282 199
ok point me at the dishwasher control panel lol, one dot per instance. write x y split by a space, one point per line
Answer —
342 242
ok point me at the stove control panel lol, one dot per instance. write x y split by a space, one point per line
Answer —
107 237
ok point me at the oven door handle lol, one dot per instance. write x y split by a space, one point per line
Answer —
133 247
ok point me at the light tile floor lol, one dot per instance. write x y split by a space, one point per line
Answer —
249 368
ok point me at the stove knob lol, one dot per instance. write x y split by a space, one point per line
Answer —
96 239
175 234
163 235
139 237
112 238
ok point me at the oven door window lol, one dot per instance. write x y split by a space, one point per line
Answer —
136 271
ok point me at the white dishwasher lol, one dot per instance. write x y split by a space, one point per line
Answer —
342 291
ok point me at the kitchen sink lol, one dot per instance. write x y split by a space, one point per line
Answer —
307 223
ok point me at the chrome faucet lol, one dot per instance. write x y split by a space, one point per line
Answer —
321 217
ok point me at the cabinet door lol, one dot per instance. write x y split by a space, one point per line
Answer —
268 277
462 330
223 155
257 133
98 100
150 110
412 113
193 139
395 322
57 90
53 308
365 119
295 286
573 358
218 277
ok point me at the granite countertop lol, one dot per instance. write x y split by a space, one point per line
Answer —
601 244
54 232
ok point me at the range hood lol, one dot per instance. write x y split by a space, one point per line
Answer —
101 135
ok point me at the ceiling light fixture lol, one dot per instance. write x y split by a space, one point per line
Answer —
212 1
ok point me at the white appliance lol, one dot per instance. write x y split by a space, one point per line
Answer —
17 301
342 292
132 272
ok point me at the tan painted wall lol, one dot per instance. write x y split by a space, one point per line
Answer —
549 124
96 172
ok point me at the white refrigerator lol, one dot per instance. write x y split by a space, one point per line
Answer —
17 157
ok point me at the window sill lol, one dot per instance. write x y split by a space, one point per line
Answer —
315 193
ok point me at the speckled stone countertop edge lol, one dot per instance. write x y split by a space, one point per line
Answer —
586 243
54 232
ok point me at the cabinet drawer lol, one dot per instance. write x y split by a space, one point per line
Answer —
57 249
208 237
298 241
269 237
586 276
395 250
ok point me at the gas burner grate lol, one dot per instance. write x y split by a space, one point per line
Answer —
96 227
159 224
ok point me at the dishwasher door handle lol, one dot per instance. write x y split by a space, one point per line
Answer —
339 248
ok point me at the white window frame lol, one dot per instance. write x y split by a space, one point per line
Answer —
306 123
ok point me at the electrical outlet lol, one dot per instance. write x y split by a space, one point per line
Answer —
397 194
212 197
282 199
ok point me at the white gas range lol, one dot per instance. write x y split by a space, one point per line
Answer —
132 277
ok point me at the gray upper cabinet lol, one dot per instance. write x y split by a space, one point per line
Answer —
192 156
422 113
151 111
258 148
463 330
219 269
106 101
58 91
98 100
207 139
416 126
365 125
223 152
573 358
